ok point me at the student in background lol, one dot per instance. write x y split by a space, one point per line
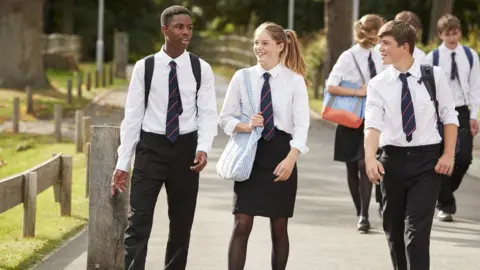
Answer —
461 66
401 118
412 19
280 93
349 141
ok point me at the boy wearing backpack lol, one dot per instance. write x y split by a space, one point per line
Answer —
404 121
461 66
170 123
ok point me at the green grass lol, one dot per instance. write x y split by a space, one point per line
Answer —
44 99
51 230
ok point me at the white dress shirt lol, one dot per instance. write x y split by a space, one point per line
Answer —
466 89
345 68
154 118
383 107
291 110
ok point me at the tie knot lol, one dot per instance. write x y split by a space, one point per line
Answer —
453 54
173 64
404 76
266 76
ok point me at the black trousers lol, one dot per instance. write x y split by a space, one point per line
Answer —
463 159
409 188
158 162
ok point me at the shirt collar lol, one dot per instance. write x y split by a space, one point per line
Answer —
414 71
274 72
443 47
165 59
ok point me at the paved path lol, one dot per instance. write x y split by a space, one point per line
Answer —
322 232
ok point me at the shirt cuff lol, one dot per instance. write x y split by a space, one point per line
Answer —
473 112
123 165
204 147
300 146
232 124
377 126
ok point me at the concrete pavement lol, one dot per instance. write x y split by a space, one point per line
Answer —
322 231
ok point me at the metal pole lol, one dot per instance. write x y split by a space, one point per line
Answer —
291 5
100 37
356 4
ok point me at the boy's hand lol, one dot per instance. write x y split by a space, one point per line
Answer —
474 127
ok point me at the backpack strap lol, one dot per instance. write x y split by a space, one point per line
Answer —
197 73
469 54
435 57
149 65
429 80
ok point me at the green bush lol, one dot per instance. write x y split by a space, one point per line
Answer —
314 57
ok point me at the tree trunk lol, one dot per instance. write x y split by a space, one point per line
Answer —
439 8
339 28
21 28
67 17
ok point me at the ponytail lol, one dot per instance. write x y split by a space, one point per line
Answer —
293 59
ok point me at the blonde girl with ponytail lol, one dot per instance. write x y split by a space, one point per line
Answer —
279 90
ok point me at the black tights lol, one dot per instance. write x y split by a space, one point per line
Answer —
238 243
360 186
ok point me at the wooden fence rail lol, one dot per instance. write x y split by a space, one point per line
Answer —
24 187
231 50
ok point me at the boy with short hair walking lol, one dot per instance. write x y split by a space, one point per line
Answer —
403 121
461 66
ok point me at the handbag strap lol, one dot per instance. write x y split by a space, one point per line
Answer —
358 67
248 85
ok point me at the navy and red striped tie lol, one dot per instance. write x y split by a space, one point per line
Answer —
266 107
174 104
408 113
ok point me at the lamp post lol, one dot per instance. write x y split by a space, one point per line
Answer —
291 5
356 4
99 56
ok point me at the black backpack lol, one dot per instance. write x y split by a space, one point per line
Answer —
429 80
150 64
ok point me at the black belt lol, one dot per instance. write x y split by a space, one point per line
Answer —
408 150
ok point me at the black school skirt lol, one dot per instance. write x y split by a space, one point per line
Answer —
348 144
260 195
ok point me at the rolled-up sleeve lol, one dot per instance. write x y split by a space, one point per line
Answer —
132 121
474 82
374 107
446 102
230 113
301 117
207 110
339 70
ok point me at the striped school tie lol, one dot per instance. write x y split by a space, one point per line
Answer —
408 113
371 66
174 104
266 107
454 69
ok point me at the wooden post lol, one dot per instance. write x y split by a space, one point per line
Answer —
29 93
104 76
78 131
86 123
107 214
89 81
16 115
29 204
87 168
58 185
66 186
69 91
120 54
57 116
79 85
110 74
97 79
